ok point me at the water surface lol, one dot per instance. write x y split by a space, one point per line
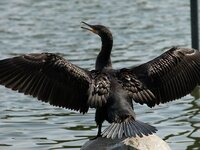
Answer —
141 29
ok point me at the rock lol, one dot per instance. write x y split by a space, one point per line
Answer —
196 92
151 142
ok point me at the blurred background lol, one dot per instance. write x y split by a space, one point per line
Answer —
142 30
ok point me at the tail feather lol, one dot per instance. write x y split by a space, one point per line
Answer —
126 126
132 131
112 131
120 132
108 129
130 128
136 129
146 129
116 130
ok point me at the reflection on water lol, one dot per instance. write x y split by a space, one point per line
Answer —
195 124
189 121
142 30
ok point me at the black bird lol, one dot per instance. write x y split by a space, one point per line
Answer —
53 79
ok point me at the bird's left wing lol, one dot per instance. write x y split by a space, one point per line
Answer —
168 77
48 77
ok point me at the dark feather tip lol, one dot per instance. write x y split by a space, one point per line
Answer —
130 128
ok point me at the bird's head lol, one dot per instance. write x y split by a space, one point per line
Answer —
100 30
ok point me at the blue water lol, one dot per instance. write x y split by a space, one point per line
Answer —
141 29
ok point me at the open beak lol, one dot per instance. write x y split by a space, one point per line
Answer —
91 28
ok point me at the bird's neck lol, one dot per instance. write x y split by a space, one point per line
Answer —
103 59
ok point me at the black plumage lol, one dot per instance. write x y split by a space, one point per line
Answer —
53 79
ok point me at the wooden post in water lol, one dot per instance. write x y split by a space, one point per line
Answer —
194 24
195 36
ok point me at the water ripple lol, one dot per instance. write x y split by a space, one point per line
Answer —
141 29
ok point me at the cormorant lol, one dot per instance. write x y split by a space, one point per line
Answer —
53 79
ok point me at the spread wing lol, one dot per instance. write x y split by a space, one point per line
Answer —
168 77
48 77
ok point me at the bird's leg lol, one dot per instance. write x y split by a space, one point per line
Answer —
100 116
99 130
98 133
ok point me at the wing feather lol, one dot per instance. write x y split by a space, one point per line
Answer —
168 77
48 77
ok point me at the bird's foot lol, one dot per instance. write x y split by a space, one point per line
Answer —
94 138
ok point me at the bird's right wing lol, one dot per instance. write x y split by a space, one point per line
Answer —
168 77
48 77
